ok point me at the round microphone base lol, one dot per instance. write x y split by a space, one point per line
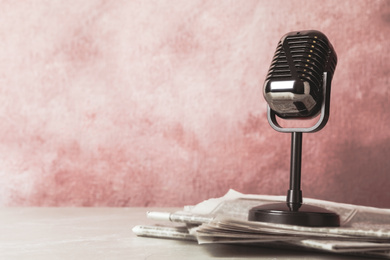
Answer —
307 215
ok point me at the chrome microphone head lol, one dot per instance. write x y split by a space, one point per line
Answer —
294 84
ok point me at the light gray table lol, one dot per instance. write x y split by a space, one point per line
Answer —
105 233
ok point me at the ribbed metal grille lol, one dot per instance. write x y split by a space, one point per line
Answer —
311 57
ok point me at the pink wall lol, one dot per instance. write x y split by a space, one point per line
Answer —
140 103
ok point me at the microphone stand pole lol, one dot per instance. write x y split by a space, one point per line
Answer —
294 194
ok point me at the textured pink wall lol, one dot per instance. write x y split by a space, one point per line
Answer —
134 103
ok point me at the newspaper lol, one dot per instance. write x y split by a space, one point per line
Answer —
363 230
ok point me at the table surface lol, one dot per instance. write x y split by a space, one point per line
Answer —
106 233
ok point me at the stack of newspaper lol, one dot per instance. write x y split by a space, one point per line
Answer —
363 230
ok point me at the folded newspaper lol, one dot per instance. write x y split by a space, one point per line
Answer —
363 230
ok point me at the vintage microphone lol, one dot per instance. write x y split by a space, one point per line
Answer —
298 87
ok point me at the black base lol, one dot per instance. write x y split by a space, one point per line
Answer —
307 215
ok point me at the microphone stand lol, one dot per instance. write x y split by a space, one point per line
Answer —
294 212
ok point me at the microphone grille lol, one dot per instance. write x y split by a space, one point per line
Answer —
305 55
